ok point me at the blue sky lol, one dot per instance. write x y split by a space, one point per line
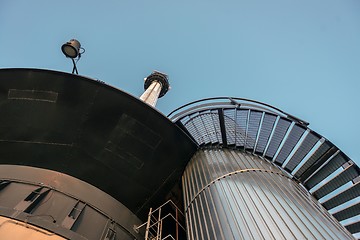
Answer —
300 56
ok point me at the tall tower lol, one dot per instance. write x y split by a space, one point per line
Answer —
156 85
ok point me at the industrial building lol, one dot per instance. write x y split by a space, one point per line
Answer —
83 160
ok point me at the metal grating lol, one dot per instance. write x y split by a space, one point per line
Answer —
309 142
206 132
326 170
277 138
229 120
204 127
241 123
265 131
349 212
347 175
342 197
354 227
293 138
313 159
253 128
191 127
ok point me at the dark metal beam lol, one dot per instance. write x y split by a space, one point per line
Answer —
222 126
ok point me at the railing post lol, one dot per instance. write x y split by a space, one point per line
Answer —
148 225
158 226
177 224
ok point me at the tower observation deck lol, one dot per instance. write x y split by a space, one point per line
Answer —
80 159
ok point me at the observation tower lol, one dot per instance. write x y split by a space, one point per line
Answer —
80 159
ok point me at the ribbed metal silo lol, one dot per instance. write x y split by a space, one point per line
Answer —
230 194
260 173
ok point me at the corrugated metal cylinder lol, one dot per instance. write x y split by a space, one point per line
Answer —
230 194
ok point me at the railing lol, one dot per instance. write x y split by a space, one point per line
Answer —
164 223
223 102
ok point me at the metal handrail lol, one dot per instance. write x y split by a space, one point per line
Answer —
167 215
172 203
153 229
216 102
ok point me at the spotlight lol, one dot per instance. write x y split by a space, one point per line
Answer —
71 49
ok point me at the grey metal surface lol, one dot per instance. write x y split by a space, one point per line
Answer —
230 194
305 155
92 131
63 205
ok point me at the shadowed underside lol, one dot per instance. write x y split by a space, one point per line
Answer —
94 132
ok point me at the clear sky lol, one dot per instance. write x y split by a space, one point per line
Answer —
300 56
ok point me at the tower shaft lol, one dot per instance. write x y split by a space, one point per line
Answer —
156 85
151 94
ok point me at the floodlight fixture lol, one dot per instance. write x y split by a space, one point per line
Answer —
72 49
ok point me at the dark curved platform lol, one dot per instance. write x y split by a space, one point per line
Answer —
91 131
63 205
